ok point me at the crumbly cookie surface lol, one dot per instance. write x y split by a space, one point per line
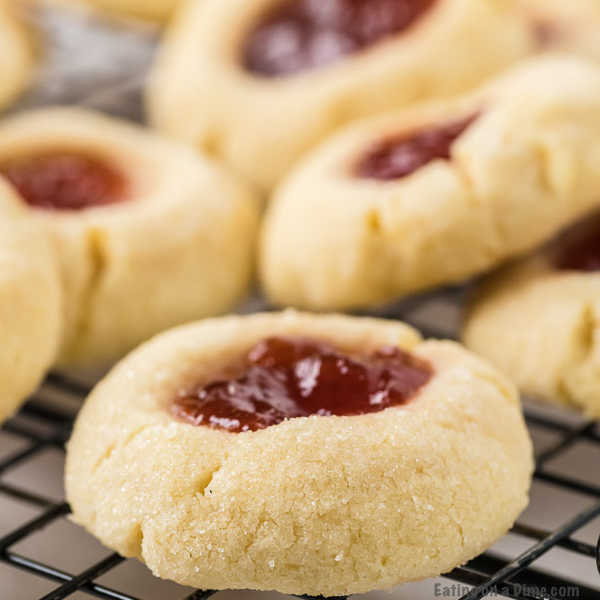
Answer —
30 304
568 26
261 125
539 324
525 167
317 505
16 57
179 247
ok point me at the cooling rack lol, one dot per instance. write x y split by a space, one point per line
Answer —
110 78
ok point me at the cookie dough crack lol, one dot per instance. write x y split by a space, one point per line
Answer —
113 447
105 457
495 238
461 532
138 535
461 169
586 332
204 486
583 348
504 391
213 144
544 161
373 222
98 261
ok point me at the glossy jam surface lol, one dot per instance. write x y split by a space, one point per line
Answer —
398 157
64 181
579 250
299 35
281 378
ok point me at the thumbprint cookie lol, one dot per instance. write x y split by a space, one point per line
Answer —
569 26
300 453
538 320
283 74
149 234
16 55
30 303
435 194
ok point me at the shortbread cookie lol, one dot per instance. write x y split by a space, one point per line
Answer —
299 453
149 233
283 74
538 320
434 195
16 56
570 26
30 310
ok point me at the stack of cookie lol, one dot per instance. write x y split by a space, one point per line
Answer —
362 151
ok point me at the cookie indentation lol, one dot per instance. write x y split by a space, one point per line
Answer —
305 34
284 377
64 181
399 156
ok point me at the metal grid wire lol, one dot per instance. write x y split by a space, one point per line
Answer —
486 575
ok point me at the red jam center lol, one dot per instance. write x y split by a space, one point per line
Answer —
580 250
305 34
395 158
64 181
282 378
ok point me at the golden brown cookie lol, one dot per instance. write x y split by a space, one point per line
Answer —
149 233
283 74
435 194
16 55
299 453
538 320
30 309
569 26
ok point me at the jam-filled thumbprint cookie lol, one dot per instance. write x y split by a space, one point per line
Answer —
569 26
16 55
538 320
283 74
435 194
30 303
300 453
149 233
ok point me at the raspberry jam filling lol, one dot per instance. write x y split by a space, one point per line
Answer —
580 250
398 157
64 181
283 377
299 35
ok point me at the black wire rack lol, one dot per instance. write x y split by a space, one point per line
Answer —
42 424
